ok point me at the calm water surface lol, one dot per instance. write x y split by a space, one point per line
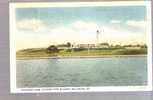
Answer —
82 72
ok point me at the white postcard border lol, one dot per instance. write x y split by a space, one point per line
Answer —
13 87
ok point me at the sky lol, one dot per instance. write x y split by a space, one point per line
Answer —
41 27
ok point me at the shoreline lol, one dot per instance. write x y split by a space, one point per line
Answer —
77 57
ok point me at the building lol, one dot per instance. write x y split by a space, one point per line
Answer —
86 45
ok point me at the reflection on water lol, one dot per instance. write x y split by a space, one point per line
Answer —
82 72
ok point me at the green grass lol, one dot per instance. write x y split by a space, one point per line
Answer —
39 53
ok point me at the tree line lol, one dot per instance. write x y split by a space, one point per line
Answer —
55 48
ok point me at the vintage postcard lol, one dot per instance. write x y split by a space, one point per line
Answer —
80 46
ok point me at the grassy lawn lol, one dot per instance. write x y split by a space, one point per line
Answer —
39 53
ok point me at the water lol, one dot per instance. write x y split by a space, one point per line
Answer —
124 71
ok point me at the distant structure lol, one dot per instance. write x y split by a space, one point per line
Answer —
86 45
97 37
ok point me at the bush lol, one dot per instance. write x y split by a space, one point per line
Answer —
68 50
52 49
79 49
131 52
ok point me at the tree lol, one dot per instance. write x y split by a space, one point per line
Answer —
68 44
52 49
106 44
144 46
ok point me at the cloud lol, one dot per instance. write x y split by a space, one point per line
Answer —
121 36
137 24
82 25
31 25
115 21
80 32
77 32
85 32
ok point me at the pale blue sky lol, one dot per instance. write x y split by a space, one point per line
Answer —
100 15
61 24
